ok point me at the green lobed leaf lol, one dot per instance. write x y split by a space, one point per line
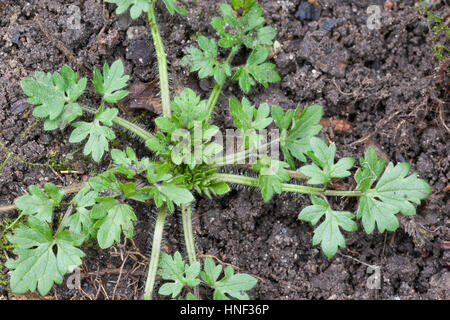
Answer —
172 7
205 61
137 7
37 266
328 233
187 109
110 83
256 68
99 136
118 219
272 173
177 194
175 269
55 96
394 192
370 171
40 203
248 119
297 129
323 167
231 285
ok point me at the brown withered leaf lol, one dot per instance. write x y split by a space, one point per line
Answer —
144 96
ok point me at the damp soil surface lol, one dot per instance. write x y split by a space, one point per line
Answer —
380 88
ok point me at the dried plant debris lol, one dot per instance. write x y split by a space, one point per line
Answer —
144 96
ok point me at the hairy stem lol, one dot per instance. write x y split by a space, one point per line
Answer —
285 187
156 248
293 174
144 134
162 62
186 216
217 90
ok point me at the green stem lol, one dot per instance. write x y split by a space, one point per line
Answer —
144 134
156 248
186 216
215 94
285 187
293 174
162 62
217 90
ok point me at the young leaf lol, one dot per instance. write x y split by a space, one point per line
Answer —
187 109
112 81
38 203
204 60
80 222
127 163
370 171
231 285
54 96
252 18
71 111
261 71
328 233
105 181
176 194
234 285
297 129
138 6
266 35
37 266
248 119
237 4
179 272
172 7
272 173
219 188
394 192
119 219
229 15
99 135
323 167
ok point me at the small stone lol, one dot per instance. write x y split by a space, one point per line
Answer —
140 52
326 55
20 106
307 11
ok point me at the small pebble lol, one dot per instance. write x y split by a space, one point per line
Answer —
140 51
307 11
19 107
15 37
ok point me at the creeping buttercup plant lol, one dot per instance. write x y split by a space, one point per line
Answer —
185 162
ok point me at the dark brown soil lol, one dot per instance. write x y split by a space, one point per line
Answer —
382 83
